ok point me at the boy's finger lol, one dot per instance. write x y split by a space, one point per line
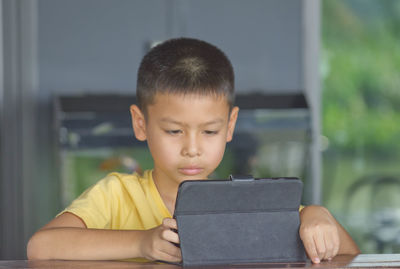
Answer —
329 247
171 253
169 258
170 236
319 242
170 223
176 252
311 250
336 244
332 244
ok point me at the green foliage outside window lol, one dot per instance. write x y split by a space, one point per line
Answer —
361 75
360 68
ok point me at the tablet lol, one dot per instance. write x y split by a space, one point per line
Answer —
239 221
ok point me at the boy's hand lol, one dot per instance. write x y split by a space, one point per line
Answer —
319 233
158 242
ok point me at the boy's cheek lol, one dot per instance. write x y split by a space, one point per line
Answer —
217 155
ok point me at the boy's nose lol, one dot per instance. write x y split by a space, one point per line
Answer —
191 147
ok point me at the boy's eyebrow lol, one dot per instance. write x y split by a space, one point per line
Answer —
169 120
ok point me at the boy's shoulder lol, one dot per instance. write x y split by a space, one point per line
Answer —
116 180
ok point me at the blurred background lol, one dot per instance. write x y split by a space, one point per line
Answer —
317 83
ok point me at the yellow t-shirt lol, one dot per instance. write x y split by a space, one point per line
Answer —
121 202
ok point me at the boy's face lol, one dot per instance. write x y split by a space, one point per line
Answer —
186 134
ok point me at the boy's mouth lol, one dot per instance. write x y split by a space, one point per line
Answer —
191 171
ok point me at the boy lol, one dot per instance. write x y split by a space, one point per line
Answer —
185 112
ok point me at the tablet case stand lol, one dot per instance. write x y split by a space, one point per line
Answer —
239 221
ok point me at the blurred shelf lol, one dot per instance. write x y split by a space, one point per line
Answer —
93 121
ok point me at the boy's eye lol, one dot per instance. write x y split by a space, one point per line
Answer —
173 132
209 132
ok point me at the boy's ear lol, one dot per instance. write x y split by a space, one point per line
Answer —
232 123
138 123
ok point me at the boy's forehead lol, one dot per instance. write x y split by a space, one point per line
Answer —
189 98
188 107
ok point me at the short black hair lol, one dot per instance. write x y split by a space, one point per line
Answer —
184 66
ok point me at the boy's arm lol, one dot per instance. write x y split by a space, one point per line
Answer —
323 236
66 237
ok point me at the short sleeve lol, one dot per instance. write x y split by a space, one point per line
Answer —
94 205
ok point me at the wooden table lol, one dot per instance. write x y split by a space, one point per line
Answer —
360 261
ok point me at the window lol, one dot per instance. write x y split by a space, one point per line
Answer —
360 67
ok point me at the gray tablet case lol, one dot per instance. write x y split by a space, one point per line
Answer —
241 220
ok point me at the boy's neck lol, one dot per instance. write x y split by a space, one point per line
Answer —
168 190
